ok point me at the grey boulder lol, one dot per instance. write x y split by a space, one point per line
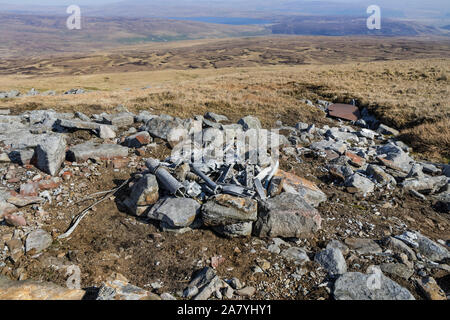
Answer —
356 286
227 210
175 212
332 260
287 215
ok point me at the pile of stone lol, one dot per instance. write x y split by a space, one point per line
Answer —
247 195
366 160
226 177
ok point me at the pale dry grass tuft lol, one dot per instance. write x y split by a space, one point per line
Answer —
409 95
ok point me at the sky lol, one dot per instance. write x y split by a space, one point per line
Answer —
399 3
58 2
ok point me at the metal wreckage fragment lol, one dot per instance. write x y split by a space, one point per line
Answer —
253 187
165 178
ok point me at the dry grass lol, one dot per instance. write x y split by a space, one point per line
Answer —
411 95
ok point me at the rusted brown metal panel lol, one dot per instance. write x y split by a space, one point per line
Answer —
344 111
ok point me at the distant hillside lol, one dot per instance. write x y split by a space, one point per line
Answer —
35 34
347 26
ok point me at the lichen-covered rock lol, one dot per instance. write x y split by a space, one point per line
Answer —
305 188
91 150
144 193
226 210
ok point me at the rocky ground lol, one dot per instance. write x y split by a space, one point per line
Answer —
345 212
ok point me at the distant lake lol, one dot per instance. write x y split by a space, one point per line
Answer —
224 20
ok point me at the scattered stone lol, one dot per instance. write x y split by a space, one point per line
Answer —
344 111
298 255
341 172
426 185
22 201
37 241
397 269
138 140
167 297
15 220
446 170
215 117
377 173
82 116
357 183
354 159
363 246
236 284
273 248
15 248
431 289
384 129
159 127
443 202
106 132
117 287
250 122
399 246
79 125
246 292
190 292
430 249
176 136
332 260
335 244
122 120
91 150
394 157
276 186
6 208
207 283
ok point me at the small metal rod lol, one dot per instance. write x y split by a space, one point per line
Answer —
211 184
